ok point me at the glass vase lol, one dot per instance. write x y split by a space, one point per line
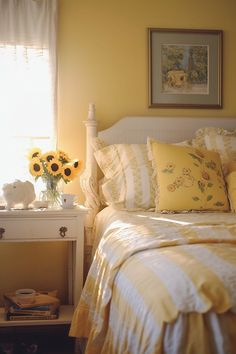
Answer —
51 194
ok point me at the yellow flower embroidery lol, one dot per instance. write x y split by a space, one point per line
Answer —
171 187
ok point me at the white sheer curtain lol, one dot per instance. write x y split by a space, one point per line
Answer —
28 67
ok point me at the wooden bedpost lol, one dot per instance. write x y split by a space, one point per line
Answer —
89 185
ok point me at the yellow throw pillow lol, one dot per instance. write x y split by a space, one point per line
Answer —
187 178
231 185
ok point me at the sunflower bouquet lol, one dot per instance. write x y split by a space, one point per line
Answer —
52 167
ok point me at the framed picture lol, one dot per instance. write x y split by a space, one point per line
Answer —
185 68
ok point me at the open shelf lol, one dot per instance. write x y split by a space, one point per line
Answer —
65 317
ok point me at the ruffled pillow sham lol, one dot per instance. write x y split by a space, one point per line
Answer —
220 140
127 171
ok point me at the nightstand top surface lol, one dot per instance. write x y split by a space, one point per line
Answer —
78 209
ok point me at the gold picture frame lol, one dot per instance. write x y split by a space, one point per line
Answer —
185 68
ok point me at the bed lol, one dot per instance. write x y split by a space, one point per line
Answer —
161 281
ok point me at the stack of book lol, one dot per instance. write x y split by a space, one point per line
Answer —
44 307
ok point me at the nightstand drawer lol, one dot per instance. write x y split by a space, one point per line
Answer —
36 229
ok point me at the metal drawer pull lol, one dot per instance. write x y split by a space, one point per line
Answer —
2 230
63 230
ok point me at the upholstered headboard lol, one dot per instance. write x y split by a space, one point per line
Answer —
135 130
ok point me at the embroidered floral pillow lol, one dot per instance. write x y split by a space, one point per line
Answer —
187 178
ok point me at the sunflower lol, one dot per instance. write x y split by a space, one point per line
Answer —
36 167
77 165
36 152
63 157
54 167
48 156
68 173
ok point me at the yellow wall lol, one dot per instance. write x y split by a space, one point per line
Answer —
103 58
40 266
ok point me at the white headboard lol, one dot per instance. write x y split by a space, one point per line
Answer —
136 130
167 129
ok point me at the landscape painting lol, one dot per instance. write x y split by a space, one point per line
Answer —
184 69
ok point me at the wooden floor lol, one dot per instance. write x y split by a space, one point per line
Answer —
36 340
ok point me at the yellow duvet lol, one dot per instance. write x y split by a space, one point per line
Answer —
152 271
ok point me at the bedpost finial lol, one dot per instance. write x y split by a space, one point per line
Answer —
91 111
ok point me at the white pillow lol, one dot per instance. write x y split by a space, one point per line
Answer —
127 178
219 140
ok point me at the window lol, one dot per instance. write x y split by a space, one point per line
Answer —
27 95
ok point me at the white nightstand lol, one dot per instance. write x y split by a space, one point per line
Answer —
58 225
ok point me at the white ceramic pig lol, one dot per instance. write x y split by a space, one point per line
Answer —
18 192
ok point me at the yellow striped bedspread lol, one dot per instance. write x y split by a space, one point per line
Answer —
148 269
